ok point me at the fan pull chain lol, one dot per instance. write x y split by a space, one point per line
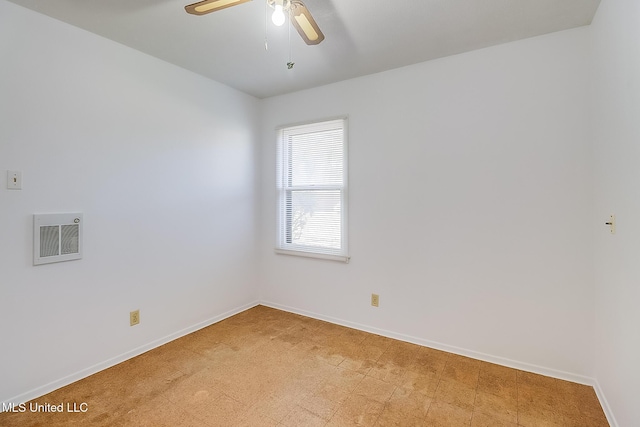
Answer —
290 64
266 24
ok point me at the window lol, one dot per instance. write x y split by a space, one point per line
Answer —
312 187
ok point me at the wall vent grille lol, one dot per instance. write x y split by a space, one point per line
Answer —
57 237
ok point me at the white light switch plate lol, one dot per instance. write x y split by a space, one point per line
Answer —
14 180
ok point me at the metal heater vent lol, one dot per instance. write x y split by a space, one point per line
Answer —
57 237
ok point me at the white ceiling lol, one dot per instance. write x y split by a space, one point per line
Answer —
362 36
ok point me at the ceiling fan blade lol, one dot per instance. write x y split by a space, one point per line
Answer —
208 6
305 24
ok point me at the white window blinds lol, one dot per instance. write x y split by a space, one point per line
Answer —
312 186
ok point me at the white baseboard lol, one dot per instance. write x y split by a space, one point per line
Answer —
605 404
54 385
581 379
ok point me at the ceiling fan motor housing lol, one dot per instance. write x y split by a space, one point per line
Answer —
286 4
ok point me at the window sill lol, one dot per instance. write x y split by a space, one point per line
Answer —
340 258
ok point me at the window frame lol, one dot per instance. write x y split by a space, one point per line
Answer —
283 191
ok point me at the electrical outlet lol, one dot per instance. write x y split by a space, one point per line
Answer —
375 300
134 317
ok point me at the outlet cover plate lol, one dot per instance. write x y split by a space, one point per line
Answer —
375 300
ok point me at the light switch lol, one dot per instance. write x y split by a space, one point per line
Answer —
14 180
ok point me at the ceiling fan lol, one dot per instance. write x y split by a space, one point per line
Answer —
299 15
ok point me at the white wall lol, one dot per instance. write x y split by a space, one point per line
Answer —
161 163
470 205
616 118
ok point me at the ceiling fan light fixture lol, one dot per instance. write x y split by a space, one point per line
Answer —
299 15
278 17
208 6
